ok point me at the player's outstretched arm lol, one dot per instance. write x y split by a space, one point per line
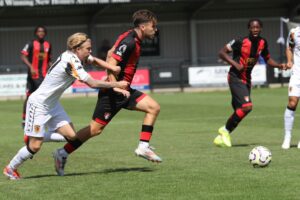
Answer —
101 63
274 64
93 83
223 54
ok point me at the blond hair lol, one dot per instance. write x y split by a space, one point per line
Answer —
76 40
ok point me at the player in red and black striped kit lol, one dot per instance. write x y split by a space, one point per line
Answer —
125 53
36 55
246 52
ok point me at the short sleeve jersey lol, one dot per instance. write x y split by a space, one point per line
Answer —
246 52
127 52
60 76
39 55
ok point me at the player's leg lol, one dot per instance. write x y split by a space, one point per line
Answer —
241 101
289 114
151 109
35 129
97 125
61 123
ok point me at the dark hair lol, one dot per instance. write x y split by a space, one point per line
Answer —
143 16
255 20
40 26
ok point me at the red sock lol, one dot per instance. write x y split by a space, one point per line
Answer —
146 133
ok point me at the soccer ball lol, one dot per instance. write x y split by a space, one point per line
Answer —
260 156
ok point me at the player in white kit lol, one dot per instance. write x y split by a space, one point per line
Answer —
293 61
43 108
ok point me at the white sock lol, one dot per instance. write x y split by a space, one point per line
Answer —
144 144
289 116
22 155
53 137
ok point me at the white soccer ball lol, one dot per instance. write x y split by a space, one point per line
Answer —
260 156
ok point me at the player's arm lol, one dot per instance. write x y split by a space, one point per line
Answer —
272 63
24 57
102 64
93 83
289 50
75 69
224 55
111 75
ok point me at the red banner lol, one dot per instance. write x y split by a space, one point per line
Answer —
141 81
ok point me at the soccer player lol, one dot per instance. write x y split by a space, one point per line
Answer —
36 55
293 60
246 52
125 52
44 109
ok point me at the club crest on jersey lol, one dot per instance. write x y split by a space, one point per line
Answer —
246 98
121 49
106 115
37 128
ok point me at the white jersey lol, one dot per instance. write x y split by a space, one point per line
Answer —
296 48
60 76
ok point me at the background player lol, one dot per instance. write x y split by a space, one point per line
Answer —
44 109
293 60
246 52
125 52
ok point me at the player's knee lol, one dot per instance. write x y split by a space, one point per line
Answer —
34 147
292 105
154 108
96 130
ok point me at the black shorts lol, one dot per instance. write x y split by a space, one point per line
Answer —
32 85
240 93
110 103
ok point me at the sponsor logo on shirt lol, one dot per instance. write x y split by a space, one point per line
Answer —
121 49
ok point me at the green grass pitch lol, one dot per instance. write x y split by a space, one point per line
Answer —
193 168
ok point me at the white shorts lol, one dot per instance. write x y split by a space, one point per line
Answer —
39 119
294 86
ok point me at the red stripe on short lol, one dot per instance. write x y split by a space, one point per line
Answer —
145 136
99 121
141 97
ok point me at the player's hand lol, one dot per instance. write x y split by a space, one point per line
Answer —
283 66
239 67
32 71
125 93
289 65
122 84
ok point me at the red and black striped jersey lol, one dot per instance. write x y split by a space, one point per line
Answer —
39 55
127 52
246 52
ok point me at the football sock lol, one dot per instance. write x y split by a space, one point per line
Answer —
23 154
72 146
145 135
289 116
54 137
235 119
